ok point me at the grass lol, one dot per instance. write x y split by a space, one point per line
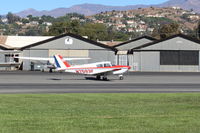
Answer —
100 113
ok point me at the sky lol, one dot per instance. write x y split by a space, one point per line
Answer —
15 6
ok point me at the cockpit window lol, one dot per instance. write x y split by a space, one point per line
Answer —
104 65
107 65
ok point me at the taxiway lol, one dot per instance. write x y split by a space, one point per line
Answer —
135 82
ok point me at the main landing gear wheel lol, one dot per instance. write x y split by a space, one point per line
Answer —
105 78
50 70
98 77
121 77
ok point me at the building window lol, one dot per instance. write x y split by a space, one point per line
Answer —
16 59
179 57
9 58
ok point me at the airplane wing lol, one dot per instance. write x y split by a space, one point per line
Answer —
48 59
34 58
68 59
105 72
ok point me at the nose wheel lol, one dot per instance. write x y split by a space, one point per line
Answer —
121 77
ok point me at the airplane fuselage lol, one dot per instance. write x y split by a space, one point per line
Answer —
98 68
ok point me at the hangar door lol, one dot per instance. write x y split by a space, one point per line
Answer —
179 61
150 61
122 58
179 57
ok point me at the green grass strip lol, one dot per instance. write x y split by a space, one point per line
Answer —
100 113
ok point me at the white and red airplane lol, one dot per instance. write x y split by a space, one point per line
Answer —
99 69
50 60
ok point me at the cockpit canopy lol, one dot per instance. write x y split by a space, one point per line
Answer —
104 65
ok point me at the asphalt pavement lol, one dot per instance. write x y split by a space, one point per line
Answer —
134 82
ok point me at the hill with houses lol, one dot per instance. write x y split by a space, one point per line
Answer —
147 19
133 23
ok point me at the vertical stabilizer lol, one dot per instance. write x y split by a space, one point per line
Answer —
60 62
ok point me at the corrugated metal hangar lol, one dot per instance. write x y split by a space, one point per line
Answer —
123 57
178 53
10 46
69 45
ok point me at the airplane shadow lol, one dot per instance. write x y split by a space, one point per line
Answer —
93 78
86 78
55 79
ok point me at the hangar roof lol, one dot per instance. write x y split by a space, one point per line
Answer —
4 47
16 42
134 43
174 40
71 35
110 43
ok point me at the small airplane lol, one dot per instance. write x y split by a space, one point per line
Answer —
99 69
50 61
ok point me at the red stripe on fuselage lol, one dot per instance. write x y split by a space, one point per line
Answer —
116 67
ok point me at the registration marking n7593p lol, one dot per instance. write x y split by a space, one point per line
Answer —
84 71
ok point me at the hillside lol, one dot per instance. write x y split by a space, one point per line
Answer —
185 4
122 24
91 9
147 19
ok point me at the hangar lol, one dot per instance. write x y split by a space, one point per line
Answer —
10 47
178 53
6 60
67 45
122 55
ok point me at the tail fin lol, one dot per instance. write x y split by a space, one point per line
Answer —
60 62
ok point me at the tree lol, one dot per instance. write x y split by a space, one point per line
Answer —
94 31
155 33
167 30
47 18
34 31
24 21
12 18
31 32
57 28
198 30
1 20
120 36
31 18
64 27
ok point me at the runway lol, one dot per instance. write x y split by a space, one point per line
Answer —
135 82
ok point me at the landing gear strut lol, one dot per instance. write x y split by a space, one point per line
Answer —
105 78
98 77
121 77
